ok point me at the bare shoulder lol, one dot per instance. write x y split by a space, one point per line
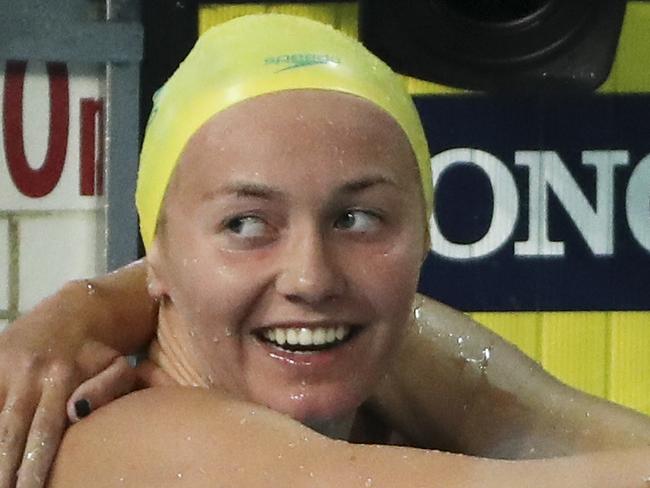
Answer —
140 412
165 435
199 438
433 313
103 449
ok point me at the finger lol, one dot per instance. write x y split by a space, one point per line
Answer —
15 421
95 357
149 374
44 438
118 379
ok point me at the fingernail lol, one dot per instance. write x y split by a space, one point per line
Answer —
82 408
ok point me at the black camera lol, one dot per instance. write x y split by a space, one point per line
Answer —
497 45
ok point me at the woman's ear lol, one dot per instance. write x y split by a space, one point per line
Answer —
155 277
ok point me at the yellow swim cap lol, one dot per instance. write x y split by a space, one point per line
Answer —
255 55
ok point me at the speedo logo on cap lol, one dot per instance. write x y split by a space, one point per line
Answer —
301 60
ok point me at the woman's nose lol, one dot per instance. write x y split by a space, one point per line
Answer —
310 272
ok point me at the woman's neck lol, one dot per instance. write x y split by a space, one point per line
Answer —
173 354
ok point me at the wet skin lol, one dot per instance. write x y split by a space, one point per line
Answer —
296 209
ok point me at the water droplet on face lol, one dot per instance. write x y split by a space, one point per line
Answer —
587 414
179 475
242 421
417 312
291 445
297 397
228 332
215 339
192 333
368 482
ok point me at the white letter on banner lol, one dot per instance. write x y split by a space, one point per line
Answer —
637 203
546 170
505 204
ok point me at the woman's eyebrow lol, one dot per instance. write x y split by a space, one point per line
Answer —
245 190
266 192
366 182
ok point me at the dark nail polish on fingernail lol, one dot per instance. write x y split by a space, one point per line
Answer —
82 408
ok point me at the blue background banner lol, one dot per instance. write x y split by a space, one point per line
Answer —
480 144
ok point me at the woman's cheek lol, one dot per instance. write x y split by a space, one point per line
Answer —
222 277
390 275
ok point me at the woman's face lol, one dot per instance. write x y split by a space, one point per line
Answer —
290 251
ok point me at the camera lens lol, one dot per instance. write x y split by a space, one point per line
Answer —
499 11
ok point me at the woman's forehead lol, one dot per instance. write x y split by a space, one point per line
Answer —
305 144
302 123
303 108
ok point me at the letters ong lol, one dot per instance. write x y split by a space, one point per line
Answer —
546 173
542 201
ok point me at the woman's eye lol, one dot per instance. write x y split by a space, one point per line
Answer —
357 221
247 227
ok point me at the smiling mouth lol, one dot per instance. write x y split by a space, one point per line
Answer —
306 340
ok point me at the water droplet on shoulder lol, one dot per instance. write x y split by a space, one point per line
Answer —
90 288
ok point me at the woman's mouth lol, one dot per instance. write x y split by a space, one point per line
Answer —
306 340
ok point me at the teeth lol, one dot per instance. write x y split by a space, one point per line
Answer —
303 336
340 333
280 336
330 335
319 336
292 337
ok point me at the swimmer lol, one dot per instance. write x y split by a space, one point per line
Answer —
244 251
